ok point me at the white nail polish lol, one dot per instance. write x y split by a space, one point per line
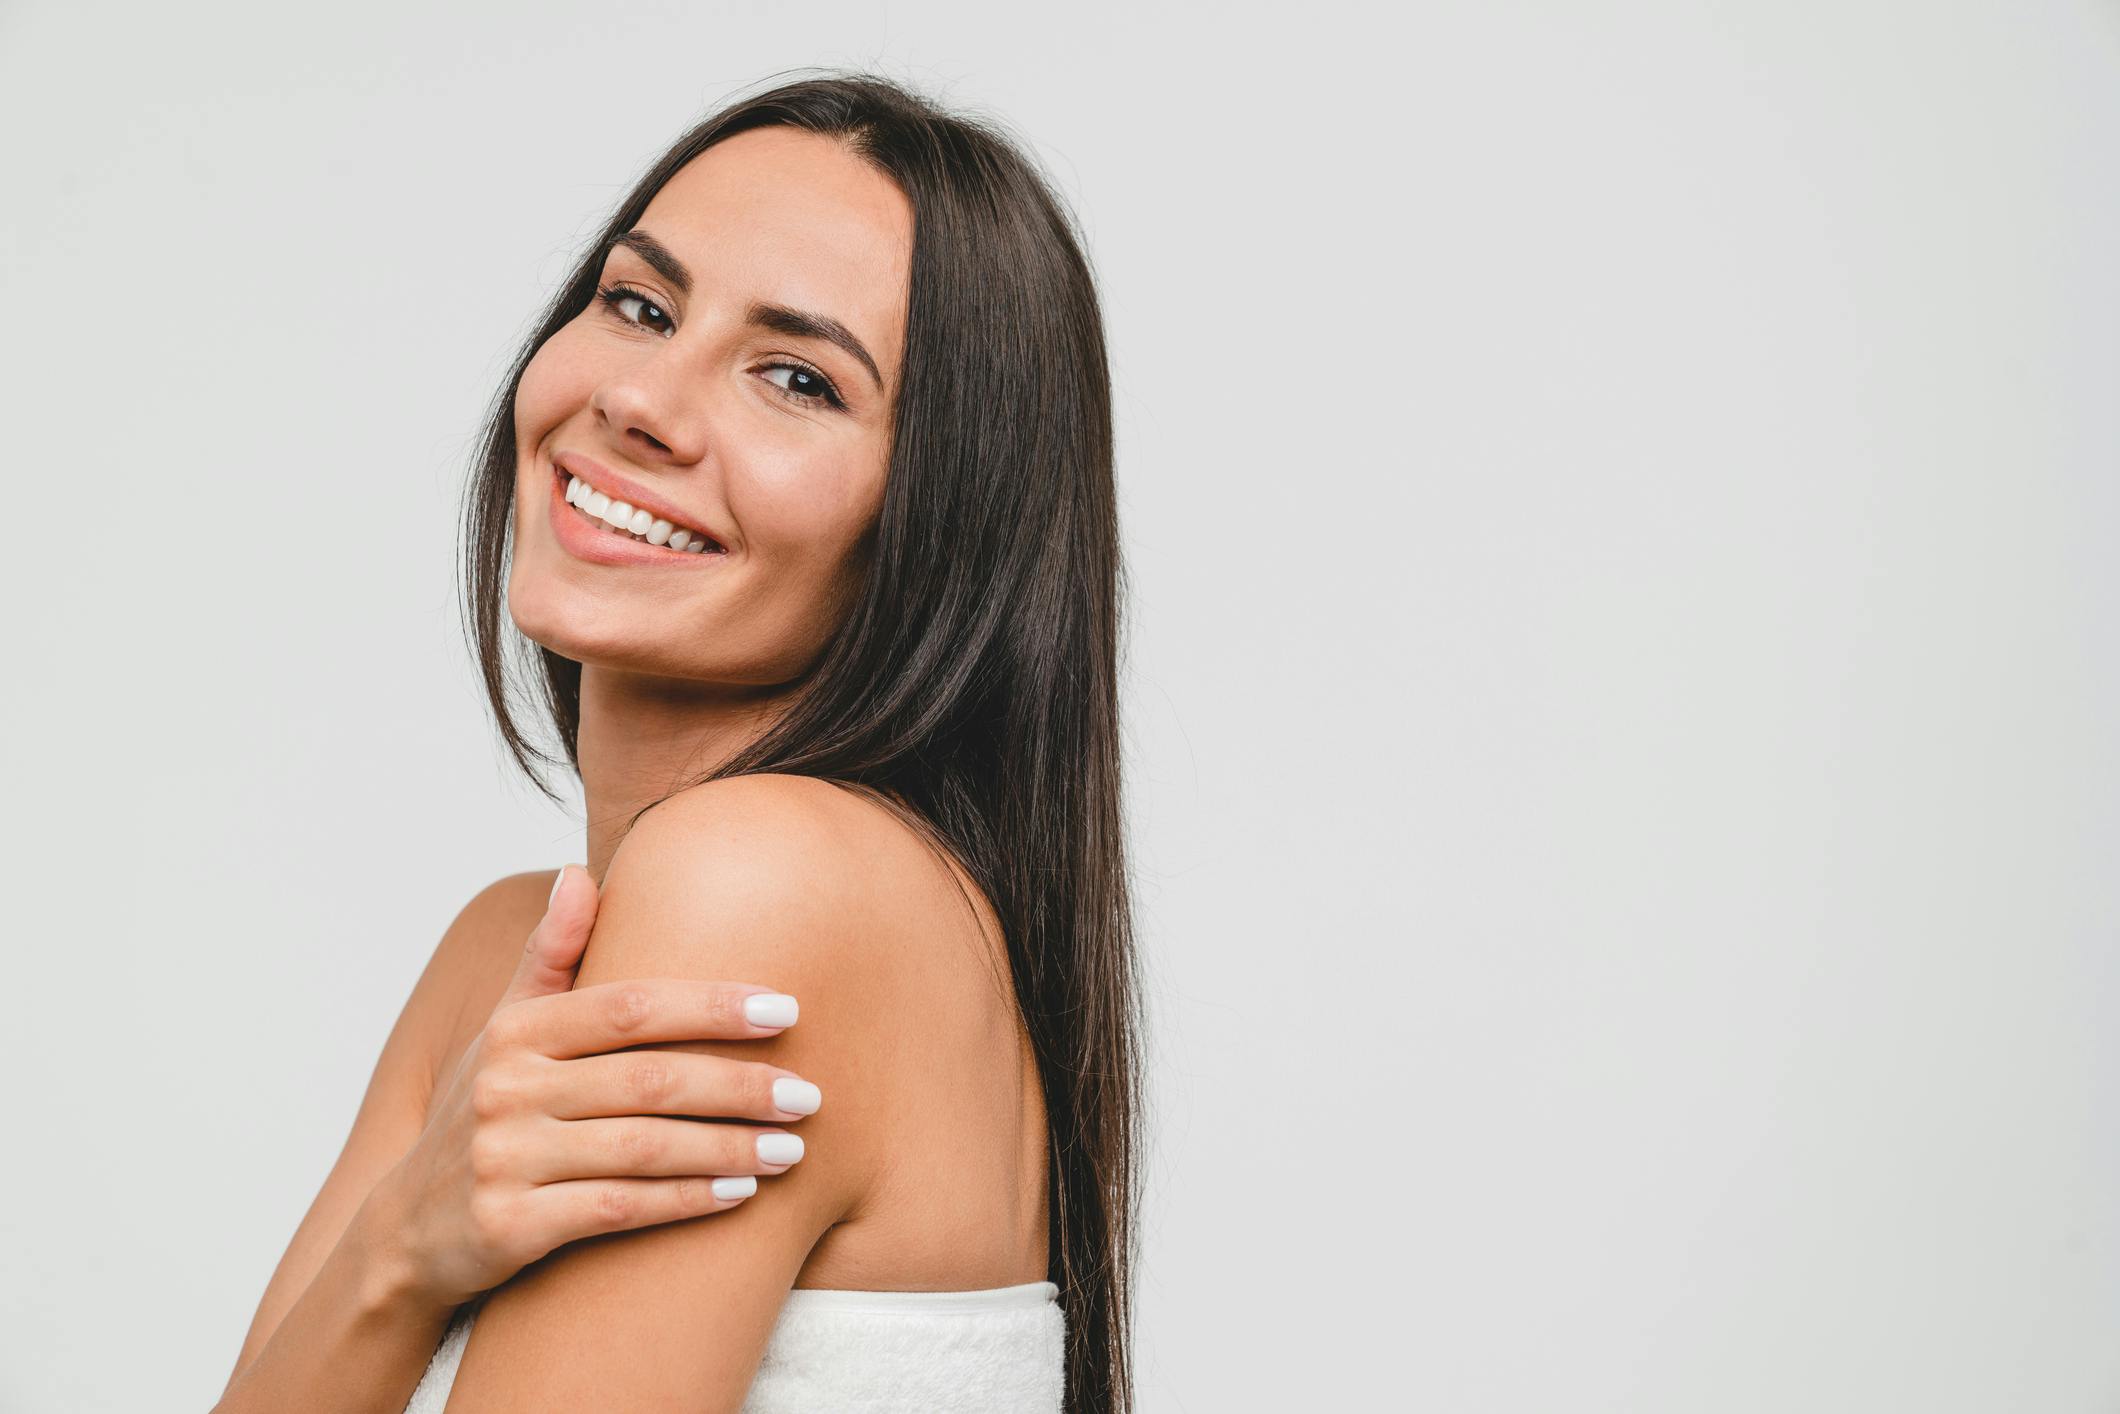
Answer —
797 1097
557 880
769 1009
727 1188
779 1148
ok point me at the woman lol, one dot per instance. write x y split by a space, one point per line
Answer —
807 474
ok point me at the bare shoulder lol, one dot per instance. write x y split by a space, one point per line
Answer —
498 918
472 964
774 881
909 1019
835 888
462 963
862 860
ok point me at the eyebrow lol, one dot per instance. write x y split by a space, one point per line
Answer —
781 319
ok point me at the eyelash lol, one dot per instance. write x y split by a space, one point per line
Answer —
612 294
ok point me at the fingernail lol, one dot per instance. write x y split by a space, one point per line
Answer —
769 1009
779 1148
557 880
727 1188
797 1097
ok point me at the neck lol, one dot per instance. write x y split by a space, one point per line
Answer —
642 737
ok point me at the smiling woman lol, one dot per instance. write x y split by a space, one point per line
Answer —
799 503
687 398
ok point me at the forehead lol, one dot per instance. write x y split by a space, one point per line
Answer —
789 216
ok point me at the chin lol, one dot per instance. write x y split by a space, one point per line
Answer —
567 619
569 623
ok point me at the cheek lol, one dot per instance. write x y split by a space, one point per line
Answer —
812 517
547 388
555 385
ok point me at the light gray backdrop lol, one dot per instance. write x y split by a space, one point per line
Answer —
1622 699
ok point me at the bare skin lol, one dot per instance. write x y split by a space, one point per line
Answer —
415 1217
926 1167
979 1223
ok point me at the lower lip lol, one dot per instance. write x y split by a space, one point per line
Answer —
579 538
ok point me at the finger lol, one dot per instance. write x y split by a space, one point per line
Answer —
583 1207
553 950
644 1146
652 1082
641 1011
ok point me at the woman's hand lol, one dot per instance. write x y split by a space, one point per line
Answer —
548 1131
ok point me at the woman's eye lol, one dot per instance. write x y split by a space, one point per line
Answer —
614 296
806 385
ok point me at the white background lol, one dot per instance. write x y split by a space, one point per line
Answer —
1621 692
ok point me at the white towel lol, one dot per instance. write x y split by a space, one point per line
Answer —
998 1349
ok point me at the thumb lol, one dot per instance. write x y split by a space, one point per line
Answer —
554 949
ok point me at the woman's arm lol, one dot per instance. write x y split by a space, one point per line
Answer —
335 1279
465 1204
355 1342
740 877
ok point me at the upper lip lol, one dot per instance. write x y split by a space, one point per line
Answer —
618 488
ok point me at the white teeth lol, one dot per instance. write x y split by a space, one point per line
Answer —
631 520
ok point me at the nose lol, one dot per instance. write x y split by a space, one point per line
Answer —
653 407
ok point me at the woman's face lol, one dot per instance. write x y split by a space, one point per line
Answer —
717 408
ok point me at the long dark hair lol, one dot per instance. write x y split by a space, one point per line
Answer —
974 681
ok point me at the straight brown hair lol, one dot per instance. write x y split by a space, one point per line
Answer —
974 681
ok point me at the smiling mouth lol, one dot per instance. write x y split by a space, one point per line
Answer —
619 518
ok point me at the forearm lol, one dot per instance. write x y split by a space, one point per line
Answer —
356 1342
